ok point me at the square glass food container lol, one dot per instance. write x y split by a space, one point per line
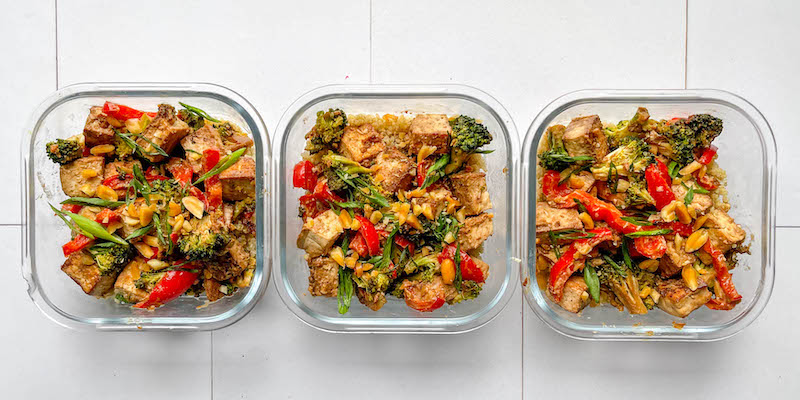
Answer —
291 278
746 151
64 114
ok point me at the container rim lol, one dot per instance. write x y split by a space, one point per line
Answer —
714 96
261 138
396 325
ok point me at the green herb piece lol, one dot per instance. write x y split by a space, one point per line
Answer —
581 207
348 204
613 177
554 243
592 281
654 232
573 171
139 232
626 254
195 110
92 201
571 234
89 228
636 221
345 292
223 164
457 262
620 269
158 148
435 171
673 169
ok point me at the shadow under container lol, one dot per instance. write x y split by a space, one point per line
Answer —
746 152
291 278
63 114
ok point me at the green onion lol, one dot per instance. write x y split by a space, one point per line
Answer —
348 204
673 169
457 261
345 292
613 176
92 201
554 243
580 206
626 254
592 281
140 232
158 148
435 171
654 232
89 228
198 111
636 221
222 165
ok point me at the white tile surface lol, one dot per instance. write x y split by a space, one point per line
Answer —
27 76
753 49
43 360
760 362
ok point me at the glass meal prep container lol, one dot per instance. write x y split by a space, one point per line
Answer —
63 114
748 155
291 278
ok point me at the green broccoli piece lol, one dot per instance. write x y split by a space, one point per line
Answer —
687 136
335 183
557 158
433 232
225 129
148 280
469 291
468 134
111 258
349 166
637 193
327 132
121 148
421 267
201 246
373 284
62 151
168 188
632 157
192 119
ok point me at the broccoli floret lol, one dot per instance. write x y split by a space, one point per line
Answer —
373 283
433 232
469 291
121 148
637 193
201 246
633 156
335 183
111 258
168 188
468 134
62 151
349 166
192 119
148 280
328 131
557 158
696 132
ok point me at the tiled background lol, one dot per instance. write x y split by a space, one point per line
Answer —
525 53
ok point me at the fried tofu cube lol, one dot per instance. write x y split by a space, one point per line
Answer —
125 286
166 130
239 181
84 271
319 234
374 301
242 254
724 232
436 197
197 142
323 279
97 129
116 168
214 289
584 137
236 141
677 299
470 190
555 219
574 300
674 260
431 130
361 143
74 181
396 169
475 231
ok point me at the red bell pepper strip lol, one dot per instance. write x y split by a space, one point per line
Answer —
718 304
724 278
168 288
359 245
653 247
550 186
370 235
565 266
404 243
322 193
659 184
213 184
310 205
303 176
469 269
79 243
123 113
194 191
107 216
680 228
707 155
182 172
73 208
707 182
422 171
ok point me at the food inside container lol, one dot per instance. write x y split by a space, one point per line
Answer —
160 204
635 215
395 206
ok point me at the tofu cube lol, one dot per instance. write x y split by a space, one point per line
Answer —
195 143
82 269
436 197
239 181
555 219
241 254
97 129
323 279
236 141
166 130
584 137
73 181
396 170
724 232
431 130
212 288
319 234
125 286
475 231
677 299
361 143
470 190
573 299
674 260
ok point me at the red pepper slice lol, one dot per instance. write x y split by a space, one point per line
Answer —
653 247
550 186
469 269
707 155
73 208
359 245
718 304
115 183
724 278
422 171
107 216
404 243
370 235
303 176
213 192
123 113
310 205
168 288
707 182
182 172
602 211
565 266
79 243
322 193
680 228
424 297
658 184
